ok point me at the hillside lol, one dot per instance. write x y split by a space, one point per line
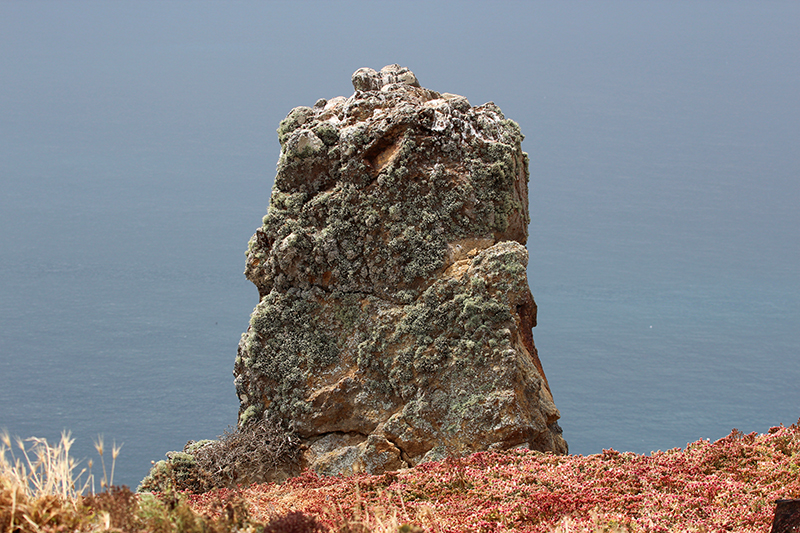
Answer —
727 485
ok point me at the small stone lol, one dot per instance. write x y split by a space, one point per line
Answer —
301 144
397 74
367 79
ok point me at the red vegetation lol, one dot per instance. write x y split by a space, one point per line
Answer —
728 485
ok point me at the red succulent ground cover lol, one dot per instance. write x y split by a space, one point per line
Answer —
727 485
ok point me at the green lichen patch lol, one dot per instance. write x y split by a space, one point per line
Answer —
284 344
380 224
296 118
296 338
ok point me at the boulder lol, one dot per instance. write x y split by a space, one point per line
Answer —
394 321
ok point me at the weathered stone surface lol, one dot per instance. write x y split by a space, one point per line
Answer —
394 322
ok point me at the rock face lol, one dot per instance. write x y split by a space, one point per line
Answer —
394 321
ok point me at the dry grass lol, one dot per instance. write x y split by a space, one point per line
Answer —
41 468
107 481
42 490
39 484
728 485
247 455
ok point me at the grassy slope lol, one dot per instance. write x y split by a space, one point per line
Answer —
728 485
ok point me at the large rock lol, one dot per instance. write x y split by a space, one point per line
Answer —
394 321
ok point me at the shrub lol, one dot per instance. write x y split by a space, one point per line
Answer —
727 485
242 455
294 522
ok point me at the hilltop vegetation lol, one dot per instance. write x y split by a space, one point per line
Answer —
727 485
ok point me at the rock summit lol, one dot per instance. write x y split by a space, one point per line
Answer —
394 321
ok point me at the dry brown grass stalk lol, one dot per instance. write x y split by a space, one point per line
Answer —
43 468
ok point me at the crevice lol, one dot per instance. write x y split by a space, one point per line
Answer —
319 436
382 152
526 310
403 455
338 293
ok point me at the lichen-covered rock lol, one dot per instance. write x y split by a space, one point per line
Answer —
394 321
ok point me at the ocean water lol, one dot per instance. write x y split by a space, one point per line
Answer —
137 152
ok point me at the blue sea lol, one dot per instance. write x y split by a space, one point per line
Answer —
138 150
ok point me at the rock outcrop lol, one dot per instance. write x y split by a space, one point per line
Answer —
394 321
